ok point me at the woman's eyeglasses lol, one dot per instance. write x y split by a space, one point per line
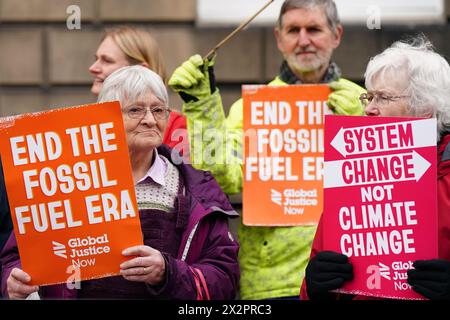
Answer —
138 112
379 98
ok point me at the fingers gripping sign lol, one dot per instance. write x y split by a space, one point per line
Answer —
148 266
17 284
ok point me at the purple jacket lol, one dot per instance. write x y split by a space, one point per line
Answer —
206 245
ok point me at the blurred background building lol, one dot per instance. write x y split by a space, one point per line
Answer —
44 65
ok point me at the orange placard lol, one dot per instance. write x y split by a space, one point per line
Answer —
71 192
284 145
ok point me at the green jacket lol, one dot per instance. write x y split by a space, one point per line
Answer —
272 259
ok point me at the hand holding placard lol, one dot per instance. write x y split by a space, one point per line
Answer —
149 266
431 278
326 271
17 285
386 220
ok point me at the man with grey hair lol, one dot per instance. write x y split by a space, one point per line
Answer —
272 259
405 80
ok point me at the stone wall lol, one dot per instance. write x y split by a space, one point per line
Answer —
45 65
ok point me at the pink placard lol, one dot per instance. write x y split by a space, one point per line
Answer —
380 204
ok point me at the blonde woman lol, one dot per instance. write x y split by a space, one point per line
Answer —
126 46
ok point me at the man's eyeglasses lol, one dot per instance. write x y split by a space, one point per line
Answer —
138 112
378 97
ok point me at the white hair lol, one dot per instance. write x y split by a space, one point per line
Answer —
127 84
427 77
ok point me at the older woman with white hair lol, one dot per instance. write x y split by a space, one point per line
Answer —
406 80
188 251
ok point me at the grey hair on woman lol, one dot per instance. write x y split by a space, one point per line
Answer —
426 75
127 84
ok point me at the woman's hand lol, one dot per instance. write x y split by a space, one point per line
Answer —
149 266
17 284
431 278
326 271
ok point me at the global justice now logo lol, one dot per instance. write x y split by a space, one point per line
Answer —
396 274
294 201
82 251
